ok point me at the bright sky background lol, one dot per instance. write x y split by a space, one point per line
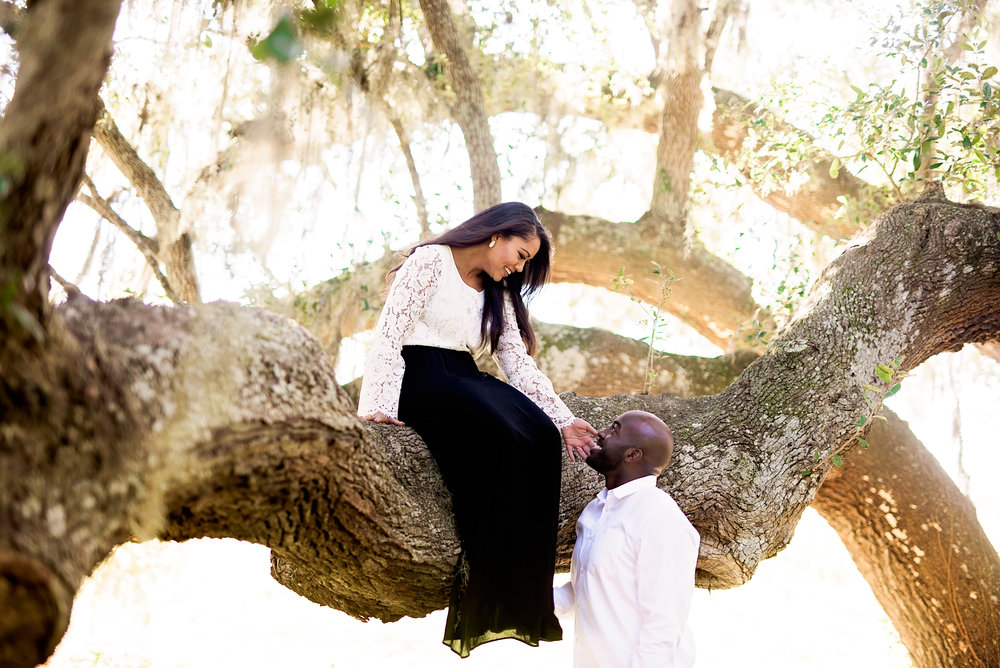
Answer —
212 603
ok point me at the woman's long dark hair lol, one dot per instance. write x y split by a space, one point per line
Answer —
509 219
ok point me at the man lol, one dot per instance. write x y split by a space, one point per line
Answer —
632 576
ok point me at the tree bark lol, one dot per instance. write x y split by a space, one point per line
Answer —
682 102
915 538
470 107
43 144
64 48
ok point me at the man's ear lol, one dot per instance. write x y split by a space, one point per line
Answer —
633 455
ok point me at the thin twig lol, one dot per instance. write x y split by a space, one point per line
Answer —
72 291
148 246
418 193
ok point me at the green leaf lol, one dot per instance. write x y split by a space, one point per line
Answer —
916 159
837 461
862 421
893 390
872 388
806 472
989 72
987 91
864 443
282 45
835 168
884 372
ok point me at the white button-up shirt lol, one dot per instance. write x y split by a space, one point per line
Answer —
632 580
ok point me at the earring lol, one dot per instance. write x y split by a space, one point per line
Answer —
493 243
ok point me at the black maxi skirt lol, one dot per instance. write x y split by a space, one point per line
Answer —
501 459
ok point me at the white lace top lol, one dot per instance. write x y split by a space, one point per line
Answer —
430 305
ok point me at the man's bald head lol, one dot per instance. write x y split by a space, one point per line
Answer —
651 435
636 444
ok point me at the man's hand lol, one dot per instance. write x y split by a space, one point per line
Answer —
379 416
578 437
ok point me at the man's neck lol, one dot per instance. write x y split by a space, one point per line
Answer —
618 478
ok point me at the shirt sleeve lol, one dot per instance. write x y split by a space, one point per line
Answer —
415 282
564 598
665 565
522 372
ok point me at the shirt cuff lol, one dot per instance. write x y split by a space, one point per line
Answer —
562 597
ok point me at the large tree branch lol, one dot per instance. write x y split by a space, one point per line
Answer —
897 511
357 516
916 540
818 201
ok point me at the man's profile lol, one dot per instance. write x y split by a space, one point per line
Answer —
632 576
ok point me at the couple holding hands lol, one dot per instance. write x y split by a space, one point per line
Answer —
633 567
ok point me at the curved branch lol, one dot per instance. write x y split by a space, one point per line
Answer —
139 174
411 165
708 294
918 543
817 202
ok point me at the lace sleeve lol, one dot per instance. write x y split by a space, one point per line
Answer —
524 374
414 284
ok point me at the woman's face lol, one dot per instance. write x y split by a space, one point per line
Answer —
509 254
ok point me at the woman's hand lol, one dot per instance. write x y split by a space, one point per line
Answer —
379 416
578 438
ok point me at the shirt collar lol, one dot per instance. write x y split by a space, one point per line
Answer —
631 487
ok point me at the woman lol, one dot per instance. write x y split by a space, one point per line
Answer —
459 294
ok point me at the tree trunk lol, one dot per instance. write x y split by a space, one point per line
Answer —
54 402
43 144
915 538
470 107
682 102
